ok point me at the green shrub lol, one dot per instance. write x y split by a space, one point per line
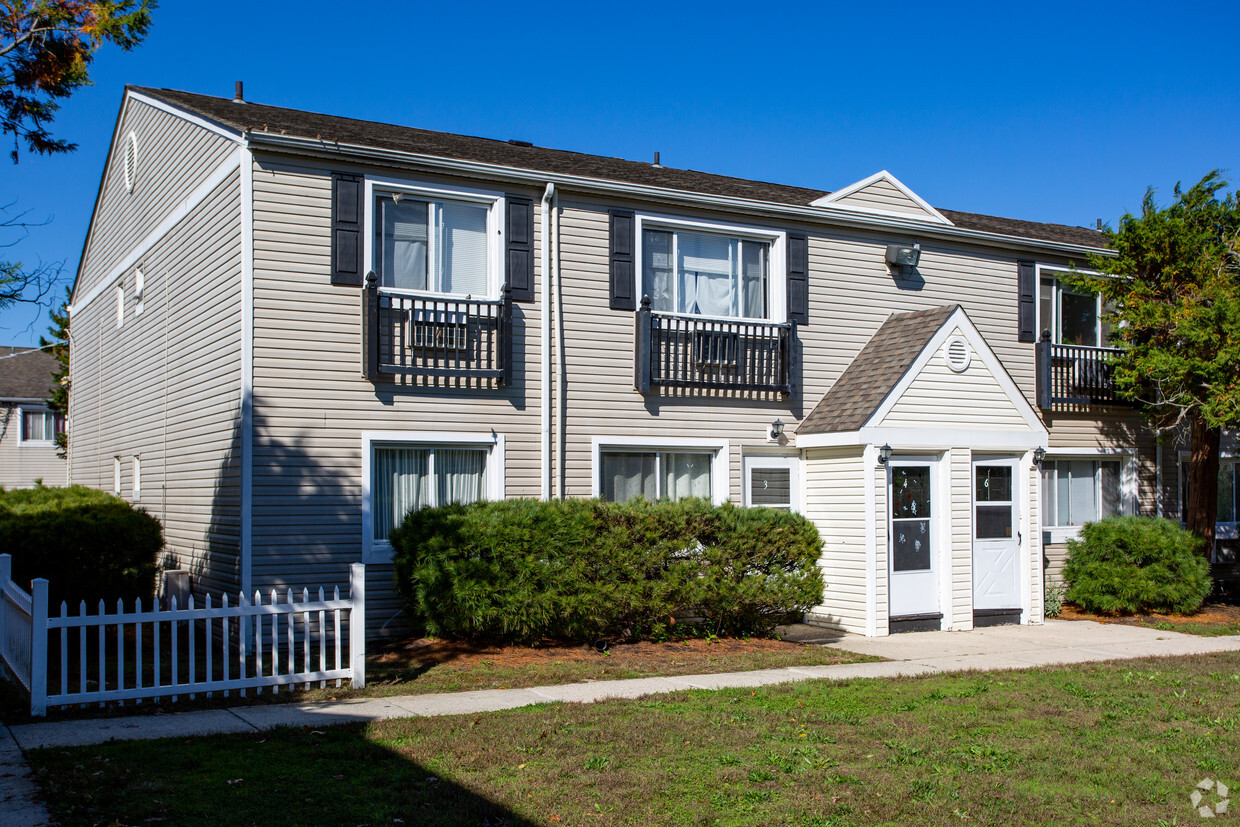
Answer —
88 544
525 569
1133 564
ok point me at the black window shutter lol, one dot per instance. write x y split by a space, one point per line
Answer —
798 279
347 229
1027 282
519 238
623 272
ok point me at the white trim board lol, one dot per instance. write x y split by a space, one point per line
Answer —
183 209
833 199
247 368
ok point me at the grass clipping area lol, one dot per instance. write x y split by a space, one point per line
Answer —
1115 743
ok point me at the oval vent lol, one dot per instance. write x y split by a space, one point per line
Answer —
131 161
957 354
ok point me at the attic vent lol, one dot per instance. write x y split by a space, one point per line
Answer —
131 161
515 142
957 354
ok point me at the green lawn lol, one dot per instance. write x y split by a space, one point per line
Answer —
1117 743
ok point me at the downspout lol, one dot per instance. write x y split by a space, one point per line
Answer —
545 408
558 322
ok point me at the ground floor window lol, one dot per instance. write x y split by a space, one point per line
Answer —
41 425
408 474
771 482
1226 490
1076 491
655 475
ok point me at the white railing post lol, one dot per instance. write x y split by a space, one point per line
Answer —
357 624
38 647
6 574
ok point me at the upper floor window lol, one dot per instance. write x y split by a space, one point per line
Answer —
426 241
1072 318
705 270
41 425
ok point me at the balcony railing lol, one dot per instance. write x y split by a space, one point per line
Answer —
709 354
1075 375
432 337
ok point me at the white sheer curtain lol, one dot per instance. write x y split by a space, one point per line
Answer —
686 475
463 249
403 242
753 279
707 274
400 485
459 475
625 476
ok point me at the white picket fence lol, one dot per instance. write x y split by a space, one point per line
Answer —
177 651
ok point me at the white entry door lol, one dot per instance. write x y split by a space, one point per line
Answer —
912 559
996 535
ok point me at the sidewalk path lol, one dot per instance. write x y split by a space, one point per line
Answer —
917 653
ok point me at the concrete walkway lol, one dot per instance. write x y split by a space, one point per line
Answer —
918 653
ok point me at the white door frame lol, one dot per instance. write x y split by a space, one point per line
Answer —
1016 464
939 532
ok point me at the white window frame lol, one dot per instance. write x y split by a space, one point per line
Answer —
1053 272
1127 489
120 304
137 476
720 481
380 551
790 461
494 201
116 475
776 267
22 410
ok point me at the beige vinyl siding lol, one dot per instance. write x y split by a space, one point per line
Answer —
166 387
960 520
834 480
939 396
174 157
22 463
311 404
883 195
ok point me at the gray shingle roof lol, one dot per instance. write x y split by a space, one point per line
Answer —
329 128
28 374
875 371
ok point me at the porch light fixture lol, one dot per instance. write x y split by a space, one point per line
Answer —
884 454
1039 455
776 431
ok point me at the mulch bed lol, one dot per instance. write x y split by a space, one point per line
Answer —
1209 614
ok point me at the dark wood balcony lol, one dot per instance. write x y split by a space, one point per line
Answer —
433 337
683 352
1074 375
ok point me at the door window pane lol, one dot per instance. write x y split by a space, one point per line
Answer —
993 483
910 545
993 522
910 492
770 487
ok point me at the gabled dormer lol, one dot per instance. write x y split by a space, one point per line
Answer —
882 194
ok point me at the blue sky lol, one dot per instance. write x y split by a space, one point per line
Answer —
1048 112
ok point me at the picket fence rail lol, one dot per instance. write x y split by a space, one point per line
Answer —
157 653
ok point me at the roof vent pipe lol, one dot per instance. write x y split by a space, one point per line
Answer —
239 95
656 161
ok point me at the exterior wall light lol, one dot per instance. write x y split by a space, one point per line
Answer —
1039 455
776 431
884 454
902 257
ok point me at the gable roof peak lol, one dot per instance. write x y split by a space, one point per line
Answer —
847 198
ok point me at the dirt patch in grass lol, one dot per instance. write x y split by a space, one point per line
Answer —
1110 743
1212 620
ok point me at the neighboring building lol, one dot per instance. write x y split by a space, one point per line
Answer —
238 375
27 428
